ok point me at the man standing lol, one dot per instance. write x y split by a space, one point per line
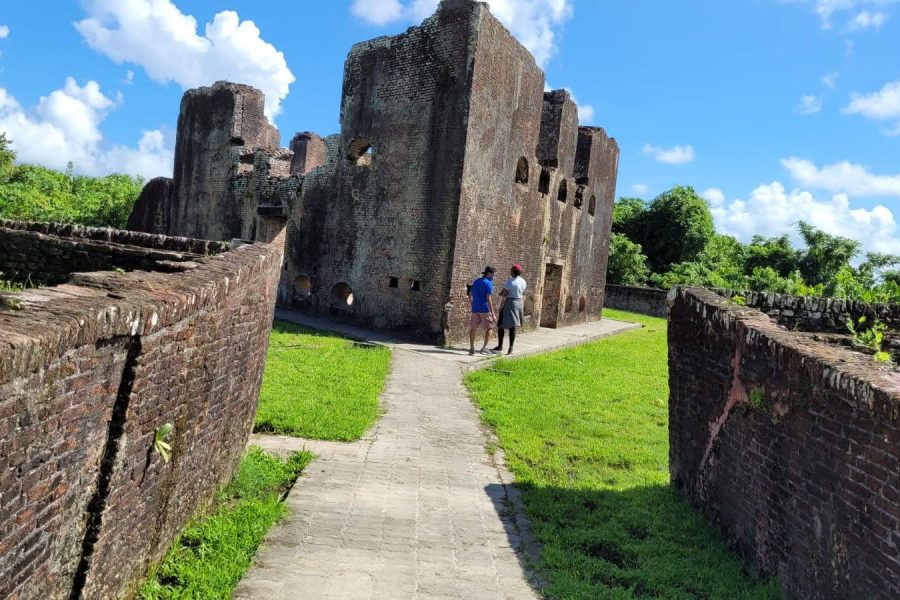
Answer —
482 309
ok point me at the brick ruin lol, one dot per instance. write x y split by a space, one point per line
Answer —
788 439
137 331
450 156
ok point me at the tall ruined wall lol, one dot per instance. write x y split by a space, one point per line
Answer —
227 161
790 446
380 218
88 371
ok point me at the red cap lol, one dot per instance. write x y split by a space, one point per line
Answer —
518 268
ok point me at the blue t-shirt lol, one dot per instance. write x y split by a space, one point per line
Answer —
481 290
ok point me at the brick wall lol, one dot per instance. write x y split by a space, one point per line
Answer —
88 371
645 301
790 445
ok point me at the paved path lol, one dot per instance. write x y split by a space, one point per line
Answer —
416 509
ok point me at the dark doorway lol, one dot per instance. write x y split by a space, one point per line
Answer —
552 294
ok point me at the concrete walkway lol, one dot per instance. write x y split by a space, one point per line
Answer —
416 509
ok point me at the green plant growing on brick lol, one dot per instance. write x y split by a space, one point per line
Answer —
871 337
160 445
739 300
757 398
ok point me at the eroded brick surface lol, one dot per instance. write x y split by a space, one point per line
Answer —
90 368
790 445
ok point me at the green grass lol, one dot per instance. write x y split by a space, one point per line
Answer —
213 553
585 433
320 386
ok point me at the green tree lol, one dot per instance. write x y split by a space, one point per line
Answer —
628 217
775 253
627 264
825 254
676 229
7 157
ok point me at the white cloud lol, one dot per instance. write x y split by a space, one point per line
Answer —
4 32
65 126
586 112
867 20
842 177
533 22
640 189
129 77
156 35
714 196
676 155
893 131
827 9
772 211
829 80
809 105
883 104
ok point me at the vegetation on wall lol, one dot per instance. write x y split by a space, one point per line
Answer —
34 193
671 241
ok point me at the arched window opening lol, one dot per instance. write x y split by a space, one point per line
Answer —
582 304
528 309
342 296
544 183
360 152
592 205
569 305
579 196
415 285
563 191
522 171
302 286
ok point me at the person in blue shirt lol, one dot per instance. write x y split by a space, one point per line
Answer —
481 296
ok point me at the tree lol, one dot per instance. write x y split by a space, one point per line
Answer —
676 229
775 253
825 254
7 157
627 265
628 217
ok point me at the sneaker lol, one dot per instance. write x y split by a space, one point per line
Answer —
486 352
497 349
472 351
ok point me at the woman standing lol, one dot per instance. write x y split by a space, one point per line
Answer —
512 312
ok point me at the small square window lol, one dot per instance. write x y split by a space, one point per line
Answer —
394 282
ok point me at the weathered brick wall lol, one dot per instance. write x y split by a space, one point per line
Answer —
817 314
383 223
88 371
642 300
790 445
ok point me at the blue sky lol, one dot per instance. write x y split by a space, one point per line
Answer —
777 110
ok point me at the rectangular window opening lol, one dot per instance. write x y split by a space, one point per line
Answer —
394 282
415 286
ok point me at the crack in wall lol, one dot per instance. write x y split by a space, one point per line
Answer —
115 430
737 394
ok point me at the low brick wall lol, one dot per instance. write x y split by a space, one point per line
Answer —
89 370
645 301
789 444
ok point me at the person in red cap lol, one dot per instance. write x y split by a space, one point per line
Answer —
512 311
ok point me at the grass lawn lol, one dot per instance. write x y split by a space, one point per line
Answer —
585 433
320 386
213 553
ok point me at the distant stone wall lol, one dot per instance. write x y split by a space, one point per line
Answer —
817 314
790 445
642 300
88 371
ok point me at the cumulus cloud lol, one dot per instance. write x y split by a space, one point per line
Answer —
533 22
883 104
842 177
4 32
156 35
867 20
714 196
771 210
809 105
863 17
65 126
640 189
676 155
586 112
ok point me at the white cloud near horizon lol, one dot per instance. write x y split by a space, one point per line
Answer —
842 178
640 189
809 105
714 196
533 22
157 36
676 155
4 32
770 210
65 126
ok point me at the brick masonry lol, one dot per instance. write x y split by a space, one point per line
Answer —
90 368
642 300
418 192
789 444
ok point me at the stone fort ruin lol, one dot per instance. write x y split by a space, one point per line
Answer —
451 156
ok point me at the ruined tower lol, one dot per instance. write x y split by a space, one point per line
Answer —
450 156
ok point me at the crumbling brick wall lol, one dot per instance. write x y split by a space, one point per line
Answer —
643 300
88 371
790 445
